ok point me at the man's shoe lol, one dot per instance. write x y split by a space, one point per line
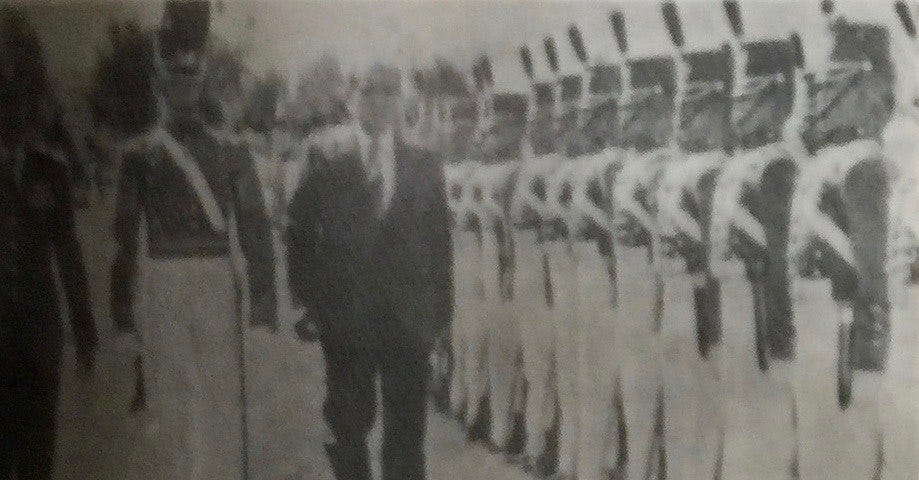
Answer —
478 430
139 400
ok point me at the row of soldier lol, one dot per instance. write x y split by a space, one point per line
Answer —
615 210
608 209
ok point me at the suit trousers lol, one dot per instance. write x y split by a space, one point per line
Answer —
597 369
535 317
29 384
564 283
693 423
502 344
191 335
467 381
639 358
350 407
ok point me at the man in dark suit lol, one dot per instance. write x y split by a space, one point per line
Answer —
370 256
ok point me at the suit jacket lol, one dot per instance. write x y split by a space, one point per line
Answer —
372 281
37 229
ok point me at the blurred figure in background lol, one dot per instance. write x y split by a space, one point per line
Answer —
36 219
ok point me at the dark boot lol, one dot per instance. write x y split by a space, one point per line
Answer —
708 319
480 426
139 400
517 441
547 463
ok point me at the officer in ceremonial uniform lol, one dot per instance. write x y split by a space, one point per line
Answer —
484 275
647 127
469 378
691 323
839 229
37 231
749 235
561 225
534 296
183 193
370 255
597 158
492 180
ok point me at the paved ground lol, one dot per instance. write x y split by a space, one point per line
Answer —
286 385
98 441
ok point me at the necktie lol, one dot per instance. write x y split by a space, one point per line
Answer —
380 171
374 176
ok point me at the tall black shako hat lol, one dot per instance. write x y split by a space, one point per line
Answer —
185 27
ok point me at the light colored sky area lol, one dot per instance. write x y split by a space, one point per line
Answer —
288 34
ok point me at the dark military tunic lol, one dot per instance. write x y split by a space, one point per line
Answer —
154 185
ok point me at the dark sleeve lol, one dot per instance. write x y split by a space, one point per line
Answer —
72 272
256 243
302 235
438 222
125 228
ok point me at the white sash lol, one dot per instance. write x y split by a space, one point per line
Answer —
193 174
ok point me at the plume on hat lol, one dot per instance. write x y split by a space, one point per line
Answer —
122 95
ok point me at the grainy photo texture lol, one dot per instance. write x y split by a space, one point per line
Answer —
459 240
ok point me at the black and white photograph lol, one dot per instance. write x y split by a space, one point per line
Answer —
459 240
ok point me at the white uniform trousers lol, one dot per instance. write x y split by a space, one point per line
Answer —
597 443
899 399
502 344
564 284
833 443
758 407
190 318
470 375
638 354
537 328
692 416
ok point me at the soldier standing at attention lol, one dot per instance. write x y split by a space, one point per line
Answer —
36 230
182 195
370 256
